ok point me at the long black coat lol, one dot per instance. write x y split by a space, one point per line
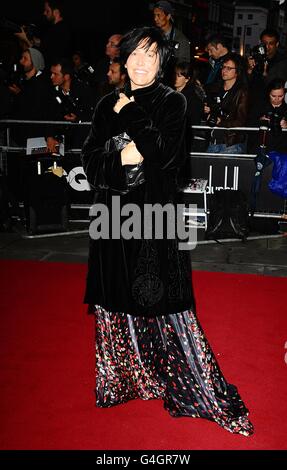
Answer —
138 277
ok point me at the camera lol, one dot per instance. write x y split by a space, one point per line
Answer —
31 30
68 104
86 74
12 75
9 26
174 45
173 48
272 122
275 119
259 54
216 111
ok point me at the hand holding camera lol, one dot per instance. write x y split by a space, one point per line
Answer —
215 112
257 61
274 121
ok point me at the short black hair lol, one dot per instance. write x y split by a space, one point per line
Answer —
215 39
57 5
117 60
240 66
131 40
66 66
273 33
275 84
165 6
185 68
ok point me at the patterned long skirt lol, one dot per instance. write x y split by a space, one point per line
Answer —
166 357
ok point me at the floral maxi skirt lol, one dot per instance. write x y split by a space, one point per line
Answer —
165 357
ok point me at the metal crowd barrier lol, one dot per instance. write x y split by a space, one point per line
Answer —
222 171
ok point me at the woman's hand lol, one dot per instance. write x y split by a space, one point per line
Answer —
130 154
264 118
283 123
122 101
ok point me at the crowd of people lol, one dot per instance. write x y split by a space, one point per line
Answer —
231 91
52 82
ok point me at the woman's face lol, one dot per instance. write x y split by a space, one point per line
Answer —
143 65
277 97
180 79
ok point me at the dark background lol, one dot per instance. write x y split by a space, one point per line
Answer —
91 21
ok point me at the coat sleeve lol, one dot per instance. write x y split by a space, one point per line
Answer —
103 167
160 144
183 53
238 115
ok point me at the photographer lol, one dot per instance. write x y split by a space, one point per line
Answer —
102 65
273 117
186 81
71 101
83 71
117 74
55 41
266 59
28 91
227 107
29 35
163 18
217 50
256 82
163 15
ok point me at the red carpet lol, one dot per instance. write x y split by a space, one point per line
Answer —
47 361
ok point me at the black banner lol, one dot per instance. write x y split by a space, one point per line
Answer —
236 173
150 458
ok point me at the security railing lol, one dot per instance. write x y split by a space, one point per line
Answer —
221 170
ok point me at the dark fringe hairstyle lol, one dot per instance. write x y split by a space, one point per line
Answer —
152 35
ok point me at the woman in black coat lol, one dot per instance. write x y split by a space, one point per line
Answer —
186 81
148 341
275 113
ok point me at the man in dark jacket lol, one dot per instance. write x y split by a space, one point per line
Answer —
71 101
276 64
55 43
228 107
163 14
217 51
163 18
29 96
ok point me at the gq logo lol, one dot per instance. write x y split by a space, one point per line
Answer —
77 179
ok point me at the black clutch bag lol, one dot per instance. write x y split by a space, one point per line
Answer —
134 173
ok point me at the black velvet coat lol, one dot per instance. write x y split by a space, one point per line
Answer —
136 276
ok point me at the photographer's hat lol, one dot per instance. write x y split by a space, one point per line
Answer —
37 58
165 6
